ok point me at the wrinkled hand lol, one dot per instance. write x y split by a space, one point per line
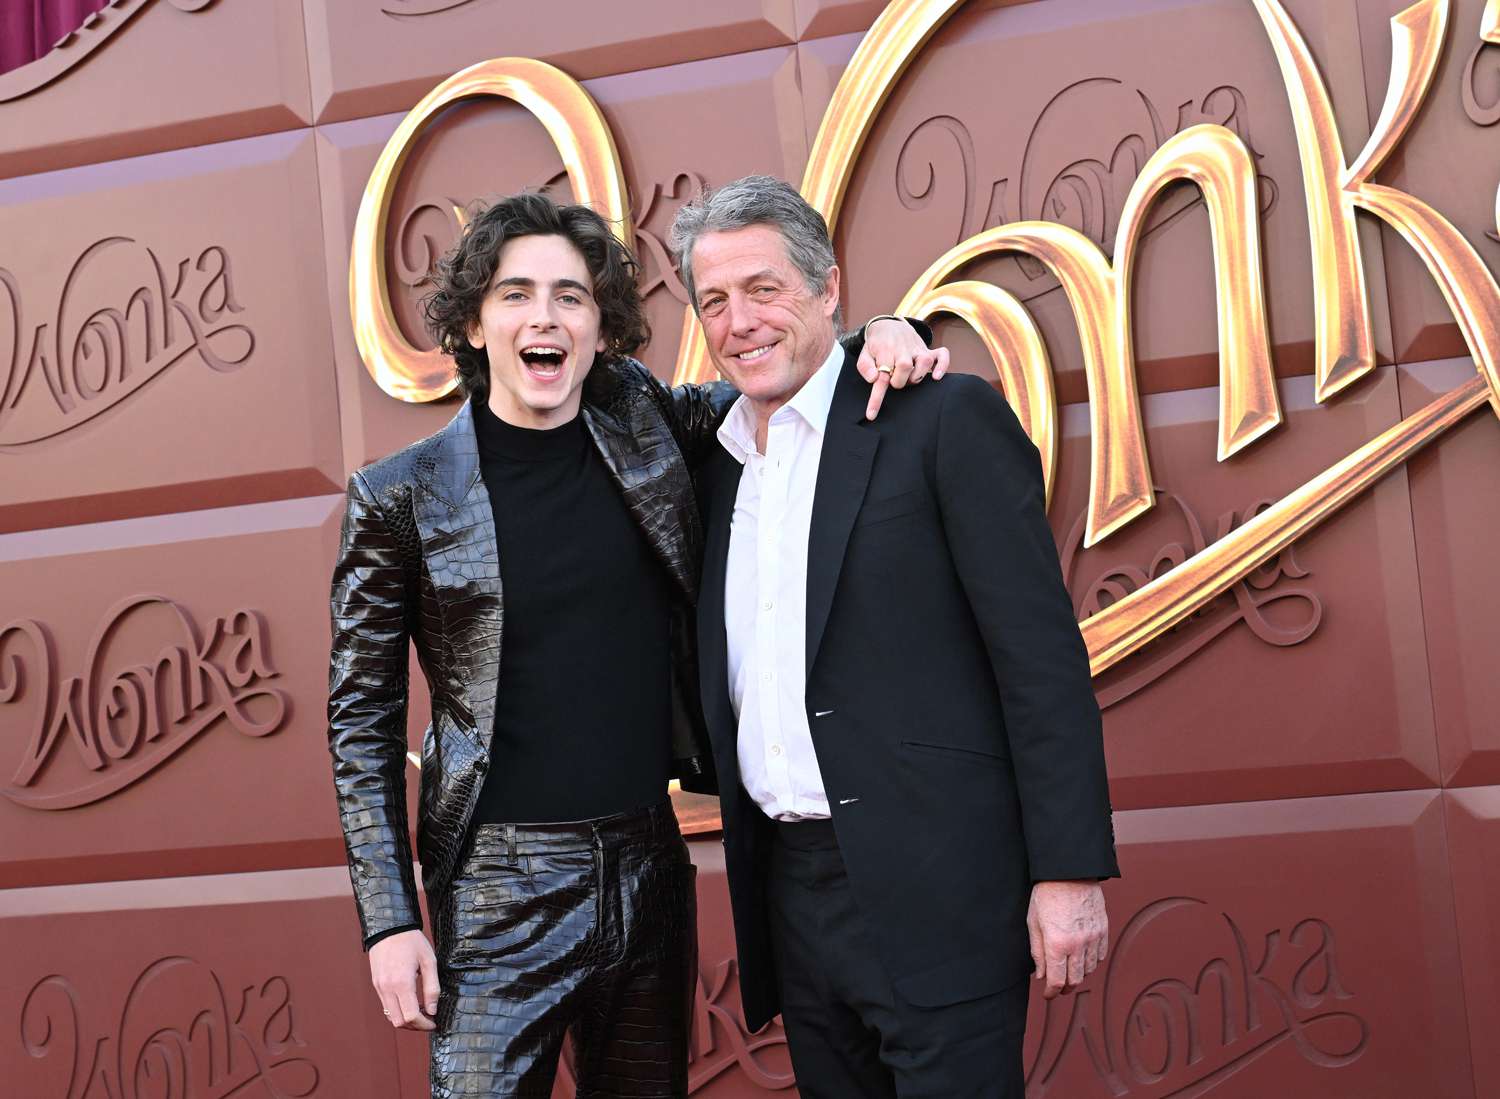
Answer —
895 345
1069 932
403 969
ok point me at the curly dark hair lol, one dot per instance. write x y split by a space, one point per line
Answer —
462 277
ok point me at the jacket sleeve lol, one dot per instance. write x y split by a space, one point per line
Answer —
695 411
989 483
367 695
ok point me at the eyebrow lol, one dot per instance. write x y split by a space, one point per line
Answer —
530 284
763 273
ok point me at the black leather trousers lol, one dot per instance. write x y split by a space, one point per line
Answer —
588 928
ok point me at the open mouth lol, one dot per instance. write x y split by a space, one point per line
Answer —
545 363
755 354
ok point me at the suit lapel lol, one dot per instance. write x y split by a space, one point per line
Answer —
849 445
457 527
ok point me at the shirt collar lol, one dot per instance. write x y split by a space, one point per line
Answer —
810 403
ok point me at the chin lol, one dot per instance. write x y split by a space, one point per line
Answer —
766 389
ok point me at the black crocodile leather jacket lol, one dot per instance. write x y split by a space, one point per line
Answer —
418 564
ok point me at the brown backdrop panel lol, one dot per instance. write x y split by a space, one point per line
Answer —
166 684
373 56
252 984
1457 514
726 1060
484 149
146 75
1048 111
1302 949
164 345
1473 817
820 18
1459 126
1308 678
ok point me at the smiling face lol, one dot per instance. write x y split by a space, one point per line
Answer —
539 328
766 331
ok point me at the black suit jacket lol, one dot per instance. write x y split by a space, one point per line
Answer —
959 740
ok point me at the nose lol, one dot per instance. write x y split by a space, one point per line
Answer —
542 317
739 314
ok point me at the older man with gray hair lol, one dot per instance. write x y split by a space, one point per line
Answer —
900 850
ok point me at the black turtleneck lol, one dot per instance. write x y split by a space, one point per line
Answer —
583 711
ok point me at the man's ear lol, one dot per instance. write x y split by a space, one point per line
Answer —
475 335
831 292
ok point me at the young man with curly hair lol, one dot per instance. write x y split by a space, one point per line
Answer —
541 552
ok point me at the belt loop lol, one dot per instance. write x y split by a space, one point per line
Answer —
510 843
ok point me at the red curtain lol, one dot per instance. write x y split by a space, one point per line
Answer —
29 28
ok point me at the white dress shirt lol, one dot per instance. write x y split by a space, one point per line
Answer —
765 595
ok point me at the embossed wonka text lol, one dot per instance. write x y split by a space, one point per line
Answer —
122 317
1226 1003
175 1037
123 716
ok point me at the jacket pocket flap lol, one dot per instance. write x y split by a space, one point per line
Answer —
891 507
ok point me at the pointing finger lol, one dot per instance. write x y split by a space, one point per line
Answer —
877 396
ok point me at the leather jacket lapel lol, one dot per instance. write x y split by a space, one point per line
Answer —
448 465
457 527
849 444
642 457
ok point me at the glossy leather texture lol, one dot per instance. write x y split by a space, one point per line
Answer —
547 929
418 565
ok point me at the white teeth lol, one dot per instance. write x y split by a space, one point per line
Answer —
545 362
751 356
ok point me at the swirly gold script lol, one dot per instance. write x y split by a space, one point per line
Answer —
1098 288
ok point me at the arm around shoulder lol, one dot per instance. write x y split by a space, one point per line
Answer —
693 411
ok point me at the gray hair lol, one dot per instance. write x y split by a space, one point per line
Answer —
756 200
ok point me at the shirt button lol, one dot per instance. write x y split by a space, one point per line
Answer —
767 605
768 676
776 749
